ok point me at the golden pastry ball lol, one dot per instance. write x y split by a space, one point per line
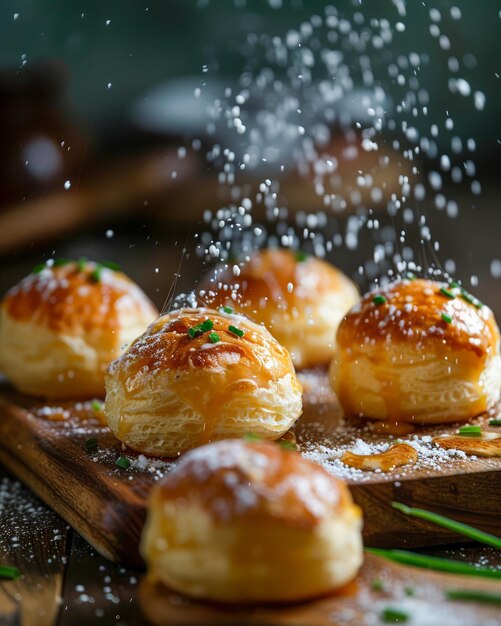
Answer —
62 325
418 351
299 298
197 375
242 522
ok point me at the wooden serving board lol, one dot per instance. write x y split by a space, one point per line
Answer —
419 594
107 505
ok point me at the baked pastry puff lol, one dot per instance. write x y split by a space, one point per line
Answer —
299 298
197 375
243 522
418 351
62 325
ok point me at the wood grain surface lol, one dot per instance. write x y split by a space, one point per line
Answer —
35 540
107 505
421 596
97 591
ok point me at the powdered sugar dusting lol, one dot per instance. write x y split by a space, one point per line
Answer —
324 435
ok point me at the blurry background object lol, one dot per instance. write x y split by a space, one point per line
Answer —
118 51
107 113
41 145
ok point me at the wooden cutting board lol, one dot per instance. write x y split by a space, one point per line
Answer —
419 594
45 447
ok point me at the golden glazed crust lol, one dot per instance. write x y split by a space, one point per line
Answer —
166 344
412 313
251 480
300 299
67 299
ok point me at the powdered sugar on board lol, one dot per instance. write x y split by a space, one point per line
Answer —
324 435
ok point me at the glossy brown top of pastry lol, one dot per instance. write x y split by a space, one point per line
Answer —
76 297
168 344
419 311
238 479
271 279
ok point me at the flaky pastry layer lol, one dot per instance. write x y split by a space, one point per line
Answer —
171 391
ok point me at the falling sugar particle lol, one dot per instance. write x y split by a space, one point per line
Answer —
479 100
67 184
282 135
496 268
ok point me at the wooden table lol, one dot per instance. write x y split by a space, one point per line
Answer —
65 582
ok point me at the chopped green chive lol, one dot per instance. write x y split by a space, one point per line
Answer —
252 437
38 268
61 262
214 337
96 405
448 294
454 285
91 445
122 462
471 299
495 422
467 296
301 256
194 331
473 594
377 585
10 573
236 331
409 591
95 275
111 265
226 309
390 615
470 431
81 263
288 444
446 318
435 563
379 299
458 527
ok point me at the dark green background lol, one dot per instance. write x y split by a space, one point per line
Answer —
150 41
